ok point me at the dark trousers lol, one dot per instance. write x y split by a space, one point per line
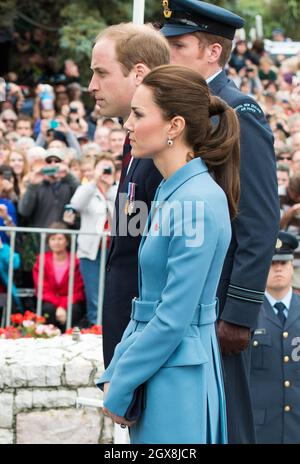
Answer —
78 311
238 400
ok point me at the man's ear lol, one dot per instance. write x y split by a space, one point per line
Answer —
215 51
140 70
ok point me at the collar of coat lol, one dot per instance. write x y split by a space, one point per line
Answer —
168 186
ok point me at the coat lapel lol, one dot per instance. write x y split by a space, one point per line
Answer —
294 311
270 314
120 205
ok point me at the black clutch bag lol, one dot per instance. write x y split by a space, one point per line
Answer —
138 403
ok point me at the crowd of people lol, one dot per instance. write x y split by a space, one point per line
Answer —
64 164
59 165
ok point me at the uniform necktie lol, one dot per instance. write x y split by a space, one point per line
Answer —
280 308
126 158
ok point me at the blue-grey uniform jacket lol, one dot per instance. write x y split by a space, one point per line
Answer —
275 375
254 231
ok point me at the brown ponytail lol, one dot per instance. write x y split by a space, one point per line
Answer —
221 151
180 91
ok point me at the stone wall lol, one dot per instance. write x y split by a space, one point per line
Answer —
40 380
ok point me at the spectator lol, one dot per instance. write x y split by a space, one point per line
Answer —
101 137
75 169
56 281
25 143
18 162
4 151
8 214
94 201
5 253
24 126
91 149
283 177
87 169
240 56
257 51
35 153
295 141
278 35
12 138
74 91
295 164
266 70
116 141
59 131
293 123
9 118
75 119
47 193
284 155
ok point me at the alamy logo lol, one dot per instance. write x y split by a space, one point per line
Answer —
167 219
296 350
2 90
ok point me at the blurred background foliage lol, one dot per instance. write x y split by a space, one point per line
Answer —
73 25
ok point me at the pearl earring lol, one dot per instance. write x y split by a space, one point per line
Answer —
170 142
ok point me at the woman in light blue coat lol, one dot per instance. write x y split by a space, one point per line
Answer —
170 344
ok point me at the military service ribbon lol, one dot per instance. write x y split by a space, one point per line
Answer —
129 207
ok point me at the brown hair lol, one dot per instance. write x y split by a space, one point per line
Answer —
59 226
180 91
25 117
206 39
137 43
104 156
294 184
25 160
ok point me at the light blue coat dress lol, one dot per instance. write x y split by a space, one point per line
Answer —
170 343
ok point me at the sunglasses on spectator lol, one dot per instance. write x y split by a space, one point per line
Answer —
282 157
53 160
8 120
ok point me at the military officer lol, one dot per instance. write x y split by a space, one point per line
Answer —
200 36
275 363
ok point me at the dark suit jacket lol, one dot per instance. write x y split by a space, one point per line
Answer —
276 361
254 231
121 284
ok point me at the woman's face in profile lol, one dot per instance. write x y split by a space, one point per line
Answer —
148 129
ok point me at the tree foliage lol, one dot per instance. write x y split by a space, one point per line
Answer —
75 23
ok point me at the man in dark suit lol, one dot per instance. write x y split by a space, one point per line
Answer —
122 56
275 360
200 36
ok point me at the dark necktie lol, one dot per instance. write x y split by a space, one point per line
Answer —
126 158
280 308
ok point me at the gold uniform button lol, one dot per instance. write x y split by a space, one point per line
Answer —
285 334
255 343
287 383
286 359
287 408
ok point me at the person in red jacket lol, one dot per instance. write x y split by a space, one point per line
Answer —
56 281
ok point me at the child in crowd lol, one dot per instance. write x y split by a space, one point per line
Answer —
56 282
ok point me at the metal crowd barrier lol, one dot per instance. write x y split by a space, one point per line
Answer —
43 232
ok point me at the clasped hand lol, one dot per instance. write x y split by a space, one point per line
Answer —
233 338
117 419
